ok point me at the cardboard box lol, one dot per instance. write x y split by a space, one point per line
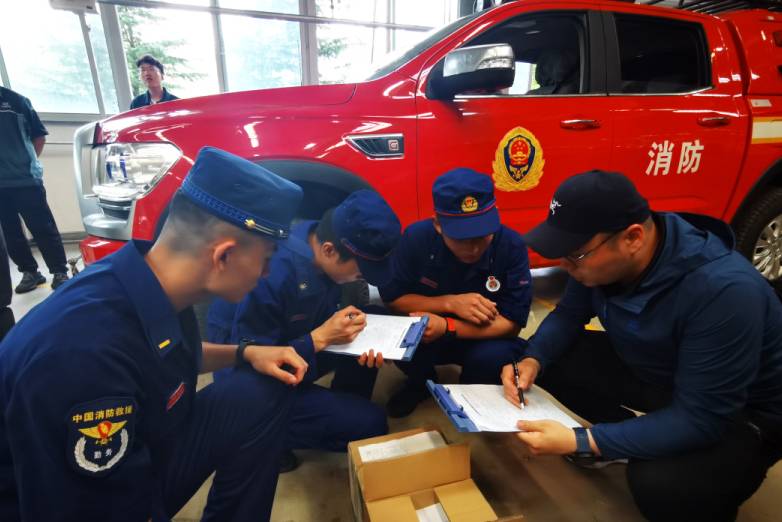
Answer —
391 490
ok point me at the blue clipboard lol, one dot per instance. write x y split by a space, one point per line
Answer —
413 337
455 412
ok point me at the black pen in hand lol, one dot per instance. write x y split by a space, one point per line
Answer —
521 393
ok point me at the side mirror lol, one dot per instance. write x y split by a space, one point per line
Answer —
477 68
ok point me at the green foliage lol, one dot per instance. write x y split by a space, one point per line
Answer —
130 18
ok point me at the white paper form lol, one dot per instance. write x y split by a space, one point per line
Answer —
489 410
401 447
433 513
383 333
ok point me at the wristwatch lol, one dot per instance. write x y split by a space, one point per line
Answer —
240 351
584 451
450 328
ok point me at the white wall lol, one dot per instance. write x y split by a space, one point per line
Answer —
58 176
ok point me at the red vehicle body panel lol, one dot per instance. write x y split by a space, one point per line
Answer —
312 124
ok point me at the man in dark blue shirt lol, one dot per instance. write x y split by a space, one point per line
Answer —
470 275
298 303
693 337
151 73
22 138
100 415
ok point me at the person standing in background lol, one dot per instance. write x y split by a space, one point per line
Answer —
151 73
22 137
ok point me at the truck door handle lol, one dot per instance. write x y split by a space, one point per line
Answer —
713 121
579 124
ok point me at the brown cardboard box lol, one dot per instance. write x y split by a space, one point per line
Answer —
391 490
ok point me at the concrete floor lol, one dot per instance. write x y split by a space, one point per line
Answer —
513 481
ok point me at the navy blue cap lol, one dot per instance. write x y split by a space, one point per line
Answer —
369 229
465 205
585 205
242 193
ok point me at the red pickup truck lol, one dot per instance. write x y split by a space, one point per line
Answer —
529 92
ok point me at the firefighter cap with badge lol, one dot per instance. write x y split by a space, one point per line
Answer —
242 193
465 205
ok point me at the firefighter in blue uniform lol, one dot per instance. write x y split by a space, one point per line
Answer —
298 304
101 418
470 275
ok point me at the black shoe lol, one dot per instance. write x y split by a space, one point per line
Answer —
595 462
30 281
58 279
404 402
288 461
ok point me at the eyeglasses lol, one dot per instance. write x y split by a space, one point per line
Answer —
575 258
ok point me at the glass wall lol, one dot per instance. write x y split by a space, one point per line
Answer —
205 46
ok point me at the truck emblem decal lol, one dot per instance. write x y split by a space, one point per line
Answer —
518 161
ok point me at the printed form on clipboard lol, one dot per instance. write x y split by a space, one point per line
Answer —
396 337
483 407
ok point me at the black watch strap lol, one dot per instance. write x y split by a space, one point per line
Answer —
583 449
240 351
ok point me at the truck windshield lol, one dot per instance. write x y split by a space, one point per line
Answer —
400 57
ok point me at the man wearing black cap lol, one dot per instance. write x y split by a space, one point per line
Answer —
298 303
693 338
470 275
100 415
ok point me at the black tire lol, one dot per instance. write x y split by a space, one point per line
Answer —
759 234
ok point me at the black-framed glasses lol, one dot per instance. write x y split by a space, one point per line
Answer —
575 258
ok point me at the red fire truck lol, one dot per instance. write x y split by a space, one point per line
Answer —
530 92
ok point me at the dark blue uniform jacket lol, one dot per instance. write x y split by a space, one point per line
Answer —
95 384
702 321
424 265
142 100
284 307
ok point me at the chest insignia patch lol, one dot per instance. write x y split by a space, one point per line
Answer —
518 161
100 433
175 396
492 284
428 282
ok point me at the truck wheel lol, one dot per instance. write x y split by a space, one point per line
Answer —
759 234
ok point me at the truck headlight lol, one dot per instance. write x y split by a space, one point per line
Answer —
125 171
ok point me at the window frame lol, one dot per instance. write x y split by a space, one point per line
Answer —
613 55
306 18
593 57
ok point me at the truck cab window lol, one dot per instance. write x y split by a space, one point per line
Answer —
550 53
660 55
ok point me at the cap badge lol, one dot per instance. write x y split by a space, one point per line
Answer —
518 161
553 206
469 204
492 284
249 223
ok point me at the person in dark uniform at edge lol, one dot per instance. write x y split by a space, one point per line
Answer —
6 290
22 139
470 275
298 303
101 419
693 337
151 73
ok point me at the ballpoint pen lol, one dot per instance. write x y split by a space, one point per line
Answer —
521 393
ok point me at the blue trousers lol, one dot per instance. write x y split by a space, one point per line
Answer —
328 418
236 429
30 203
6 291
481 360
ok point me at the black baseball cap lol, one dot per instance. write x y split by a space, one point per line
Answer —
583 206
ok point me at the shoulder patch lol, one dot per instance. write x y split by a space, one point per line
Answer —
100 434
